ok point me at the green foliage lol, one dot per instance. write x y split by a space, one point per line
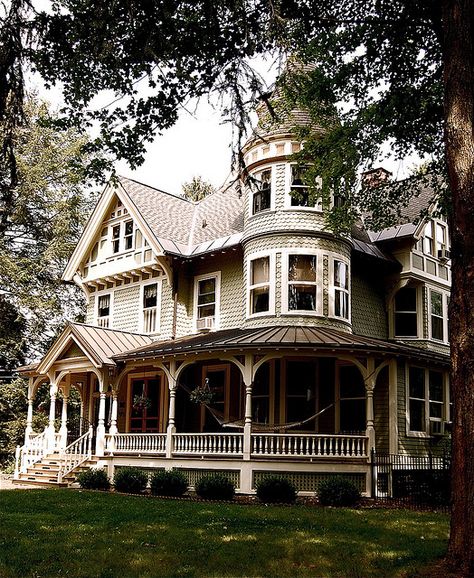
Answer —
130 480
338 491
215 487
94 479
276 489
197 189
168 483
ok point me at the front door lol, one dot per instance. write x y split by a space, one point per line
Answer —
145 404
218 376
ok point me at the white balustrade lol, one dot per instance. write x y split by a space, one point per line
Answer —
31 453
208 444
137 443
308 445
75 454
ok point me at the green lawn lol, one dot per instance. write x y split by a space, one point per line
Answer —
83 534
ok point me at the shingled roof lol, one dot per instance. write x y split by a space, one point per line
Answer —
188 228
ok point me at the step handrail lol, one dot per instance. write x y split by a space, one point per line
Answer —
30 453
75 454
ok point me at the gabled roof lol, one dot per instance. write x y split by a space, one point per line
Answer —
292 337
186 228
98 344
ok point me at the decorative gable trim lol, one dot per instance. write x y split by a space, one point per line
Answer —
95 222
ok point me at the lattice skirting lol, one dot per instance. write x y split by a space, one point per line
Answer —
309 481
194 475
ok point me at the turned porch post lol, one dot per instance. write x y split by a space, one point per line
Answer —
369 382
29 421
63 428
248 379
113 430
100 438
50 429
171 429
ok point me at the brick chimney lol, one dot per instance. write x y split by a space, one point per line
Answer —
375 177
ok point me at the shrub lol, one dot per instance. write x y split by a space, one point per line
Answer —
94 479
338 491
215 487
276 489
130 480
171 483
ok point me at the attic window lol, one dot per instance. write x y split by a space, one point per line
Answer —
128 236
116 238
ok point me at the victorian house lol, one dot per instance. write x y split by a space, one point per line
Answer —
237 334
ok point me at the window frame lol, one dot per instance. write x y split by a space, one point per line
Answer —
333 289
419 316
445 302
271 283
214 275
317 208
254 191
445 409
109 317
285 282
159 285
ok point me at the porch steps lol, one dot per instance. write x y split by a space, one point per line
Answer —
45 472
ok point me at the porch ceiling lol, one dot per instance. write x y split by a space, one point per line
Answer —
289 338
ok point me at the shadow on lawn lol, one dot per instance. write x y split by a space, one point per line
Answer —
82 534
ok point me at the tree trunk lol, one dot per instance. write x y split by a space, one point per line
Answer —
458 50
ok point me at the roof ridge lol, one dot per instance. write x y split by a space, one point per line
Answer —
180 198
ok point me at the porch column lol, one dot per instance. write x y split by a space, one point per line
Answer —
50 429
369 382
100 439
63 429
113 421
171 429
248 407
29 421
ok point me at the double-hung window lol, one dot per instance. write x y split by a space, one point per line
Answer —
426 400
299 189
405 313
341 289
302 283
122 236
103 310
438 315
150 308
262 196
206 299
259 285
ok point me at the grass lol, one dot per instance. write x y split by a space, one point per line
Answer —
46 533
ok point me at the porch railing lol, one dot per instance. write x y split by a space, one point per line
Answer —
30 453
136 443
75 454
209 444
266 445
308 445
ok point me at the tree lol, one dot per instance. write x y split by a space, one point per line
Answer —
197 189
405 68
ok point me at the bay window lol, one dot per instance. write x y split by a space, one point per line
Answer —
341 289
302 283
259 285
426 400
405 313
438 307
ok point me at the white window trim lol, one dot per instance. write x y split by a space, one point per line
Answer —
285 253
445 296
271 283
318 208
159 286
419 317
217 317
332 288
111 308
253 190
445 402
